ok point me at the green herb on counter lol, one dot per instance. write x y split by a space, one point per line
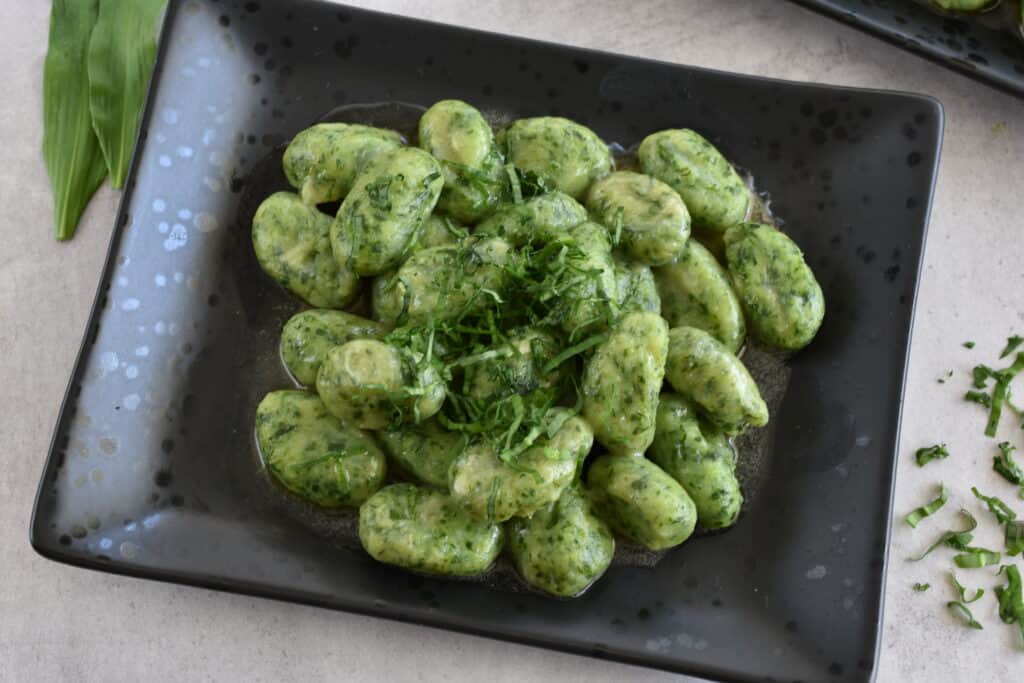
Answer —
960 609
915 517
1011 602
922 587
975 558
979 397
71 149
1001 510
926 455
1013 537
1011 345
1005 465
963 591
968 345
958 540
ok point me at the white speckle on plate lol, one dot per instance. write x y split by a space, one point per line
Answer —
165 160
141 351
184 214
160 328
161 138
658 644
216 159
163 227
170 116
214 184
131 401
160 280
108 362
863 441
179 277
204 62
177 239
206 222
185 152
816 573
106 543
212 109
129 549
131 372
172 328
208 136
122 281
159 206
189 72
130 305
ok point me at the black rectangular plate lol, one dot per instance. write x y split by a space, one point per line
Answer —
151 471
987 48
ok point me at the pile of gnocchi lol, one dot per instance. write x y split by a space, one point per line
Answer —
513 346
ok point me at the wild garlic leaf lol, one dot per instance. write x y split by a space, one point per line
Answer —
120 62
71 150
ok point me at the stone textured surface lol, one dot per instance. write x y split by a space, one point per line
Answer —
60 623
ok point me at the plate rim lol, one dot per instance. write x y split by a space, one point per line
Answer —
56 552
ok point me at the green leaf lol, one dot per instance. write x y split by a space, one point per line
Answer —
120 63
1005 465
963 591
926 455
958 540
1003 512
922 587
915 517
1011 602
1013 537
975 558
70 148
960 609
1011 345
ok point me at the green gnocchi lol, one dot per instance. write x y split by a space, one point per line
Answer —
519 299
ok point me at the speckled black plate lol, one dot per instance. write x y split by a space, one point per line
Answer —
151 471
988 47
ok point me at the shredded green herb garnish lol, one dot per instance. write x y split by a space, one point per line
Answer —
968 345
957 540
974 558
1003 379
1011 602
963 591
928 509
1005 465
961 610
1011 345
1013 537
1001 510
926 455
979 397
922 587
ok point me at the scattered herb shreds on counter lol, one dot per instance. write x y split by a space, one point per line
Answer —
1000 392
1006 466
98 64
1011 602
930 508
968 345
922 587
121 53
71 149
975 558
1013 537
926 455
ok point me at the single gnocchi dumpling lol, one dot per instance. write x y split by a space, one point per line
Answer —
371 384
474 176
426 531
622 380
516 367
695 292
586 281
703 370
714 193
640 501
292 245
700 458
441 283
780 296
637 288
440 231
648 217
424 451
309 335
314 454
562 548
493 490
322 161
537 220
381 218
562 154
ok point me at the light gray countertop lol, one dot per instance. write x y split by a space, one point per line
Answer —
61 623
